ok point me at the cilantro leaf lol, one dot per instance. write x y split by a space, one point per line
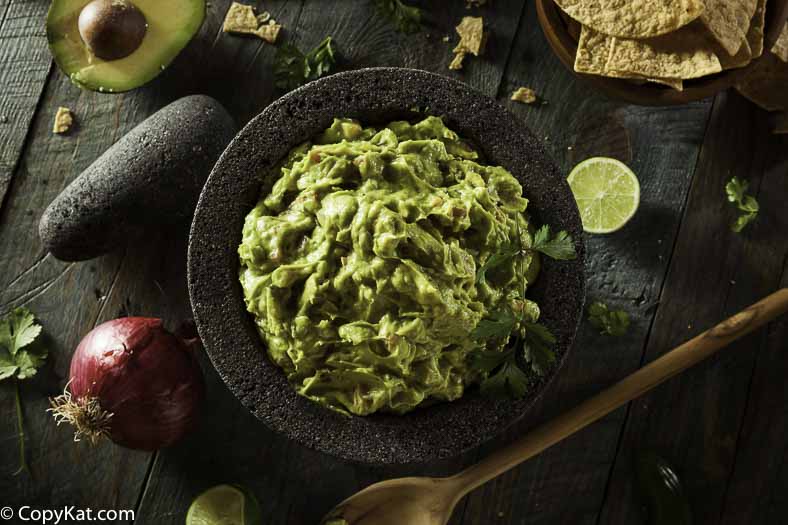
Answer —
609 322
496 260
536 347
736 190
561 247
406 18
20 360
7 366
293 68
18 329
509 381
499 324
487 361
29 361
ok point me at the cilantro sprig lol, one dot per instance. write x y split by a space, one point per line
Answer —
609 322
736 189
560 247
293 68
407 19
20 360
533 340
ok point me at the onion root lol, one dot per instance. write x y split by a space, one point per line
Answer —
85 414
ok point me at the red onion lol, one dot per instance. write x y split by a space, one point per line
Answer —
132 381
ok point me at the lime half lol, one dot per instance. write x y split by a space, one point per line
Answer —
607 193
224 505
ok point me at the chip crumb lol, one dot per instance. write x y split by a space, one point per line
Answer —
445 38
263 17
501 514
456 63
525 95
472 40
269 32
63 120
240 19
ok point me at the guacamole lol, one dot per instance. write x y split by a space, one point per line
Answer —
360 264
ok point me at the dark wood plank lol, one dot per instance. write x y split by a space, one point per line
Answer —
24 64
72 298
757 488
296 485
695 420
566 484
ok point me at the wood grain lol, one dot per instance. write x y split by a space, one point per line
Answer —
566 484
723 427
24 65
695 421
281 472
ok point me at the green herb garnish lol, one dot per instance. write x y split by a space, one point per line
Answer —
534 340
406 18
292 68
746 204
19 360
609 322
559 247
499 324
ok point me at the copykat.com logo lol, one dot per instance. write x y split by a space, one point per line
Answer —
63 515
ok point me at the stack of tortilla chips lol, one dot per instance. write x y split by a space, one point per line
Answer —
666 41
766 82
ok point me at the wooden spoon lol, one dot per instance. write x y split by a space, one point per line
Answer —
430 501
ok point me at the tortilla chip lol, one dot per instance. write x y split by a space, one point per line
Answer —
633 18
729 21
269 32
525 95
471 31
765 83
741 59
780 48
757 30
681 55
240 19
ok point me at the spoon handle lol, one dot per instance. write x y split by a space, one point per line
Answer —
629 388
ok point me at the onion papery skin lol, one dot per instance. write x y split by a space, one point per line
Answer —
145 376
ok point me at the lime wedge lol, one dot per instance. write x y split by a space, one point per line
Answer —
607 193
224 505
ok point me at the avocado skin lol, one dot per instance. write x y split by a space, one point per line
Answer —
149 180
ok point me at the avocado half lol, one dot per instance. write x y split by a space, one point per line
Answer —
171 24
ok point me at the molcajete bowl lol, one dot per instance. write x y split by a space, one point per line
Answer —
246 167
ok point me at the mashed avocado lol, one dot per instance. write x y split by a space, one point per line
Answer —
360 264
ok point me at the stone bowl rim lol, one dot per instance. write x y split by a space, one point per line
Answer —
227 331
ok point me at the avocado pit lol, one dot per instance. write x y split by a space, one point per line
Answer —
112 29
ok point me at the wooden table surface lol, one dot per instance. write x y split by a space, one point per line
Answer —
677 268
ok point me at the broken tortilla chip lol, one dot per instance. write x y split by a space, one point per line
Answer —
684 54
780 48
240 18
633 18
471 31
728 21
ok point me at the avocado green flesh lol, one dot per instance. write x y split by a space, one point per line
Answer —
360 264
171 25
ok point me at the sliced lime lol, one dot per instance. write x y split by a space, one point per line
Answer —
607 193
225 505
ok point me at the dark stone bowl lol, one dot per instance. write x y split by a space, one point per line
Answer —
228 331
